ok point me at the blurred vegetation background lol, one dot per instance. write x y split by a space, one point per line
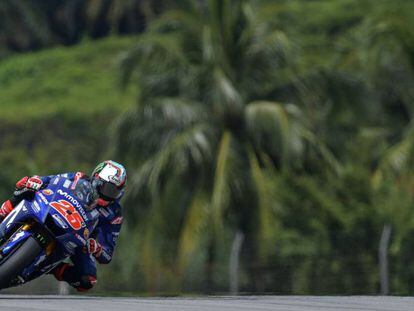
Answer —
269 144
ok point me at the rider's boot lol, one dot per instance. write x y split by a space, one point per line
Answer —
70 274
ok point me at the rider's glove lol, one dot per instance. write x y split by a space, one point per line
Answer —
33 183
25 189
22 183
94 247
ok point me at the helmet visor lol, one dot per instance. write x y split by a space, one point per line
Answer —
109 191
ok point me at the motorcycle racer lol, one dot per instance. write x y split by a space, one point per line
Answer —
108 181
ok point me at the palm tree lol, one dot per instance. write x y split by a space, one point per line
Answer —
205 134
385 55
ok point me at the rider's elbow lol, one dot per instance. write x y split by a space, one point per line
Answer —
104 259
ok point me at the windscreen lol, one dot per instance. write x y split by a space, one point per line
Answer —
85 193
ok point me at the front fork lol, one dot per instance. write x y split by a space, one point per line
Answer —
33 229
40 234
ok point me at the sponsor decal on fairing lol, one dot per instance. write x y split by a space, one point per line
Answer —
43 198
36 206
47 192
86 233
66 184
80 239
60 221
17 236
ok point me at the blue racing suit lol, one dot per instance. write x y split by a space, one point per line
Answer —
82 274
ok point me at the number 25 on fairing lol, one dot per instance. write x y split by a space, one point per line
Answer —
68 211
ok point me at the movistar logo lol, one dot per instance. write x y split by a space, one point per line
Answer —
69 198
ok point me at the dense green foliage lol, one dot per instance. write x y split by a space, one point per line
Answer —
286 122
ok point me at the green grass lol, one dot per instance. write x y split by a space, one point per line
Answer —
69 80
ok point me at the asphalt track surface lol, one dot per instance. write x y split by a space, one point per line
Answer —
244 303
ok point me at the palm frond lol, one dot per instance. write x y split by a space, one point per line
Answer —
268 127
275 43
146 54
147 128
326 154
177 20
189 149
397 159
225 99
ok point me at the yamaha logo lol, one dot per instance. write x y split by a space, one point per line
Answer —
47 192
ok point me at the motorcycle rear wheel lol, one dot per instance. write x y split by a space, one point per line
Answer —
20 259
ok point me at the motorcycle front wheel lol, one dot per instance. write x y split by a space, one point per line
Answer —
13 265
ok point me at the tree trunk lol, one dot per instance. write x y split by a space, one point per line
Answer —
383 259
209 268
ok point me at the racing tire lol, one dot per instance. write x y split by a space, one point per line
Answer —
20 259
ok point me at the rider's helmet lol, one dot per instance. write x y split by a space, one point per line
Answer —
109 179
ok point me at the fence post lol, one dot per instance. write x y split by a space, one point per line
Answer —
235 262
383 259
63 288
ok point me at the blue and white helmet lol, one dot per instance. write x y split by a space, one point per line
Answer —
109 179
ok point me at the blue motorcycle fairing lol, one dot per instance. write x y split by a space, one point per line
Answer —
68 237
23 211
15 239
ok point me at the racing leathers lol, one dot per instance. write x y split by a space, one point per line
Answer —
81 274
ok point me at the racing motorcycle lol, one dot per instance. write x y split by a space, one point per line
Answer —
39 234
